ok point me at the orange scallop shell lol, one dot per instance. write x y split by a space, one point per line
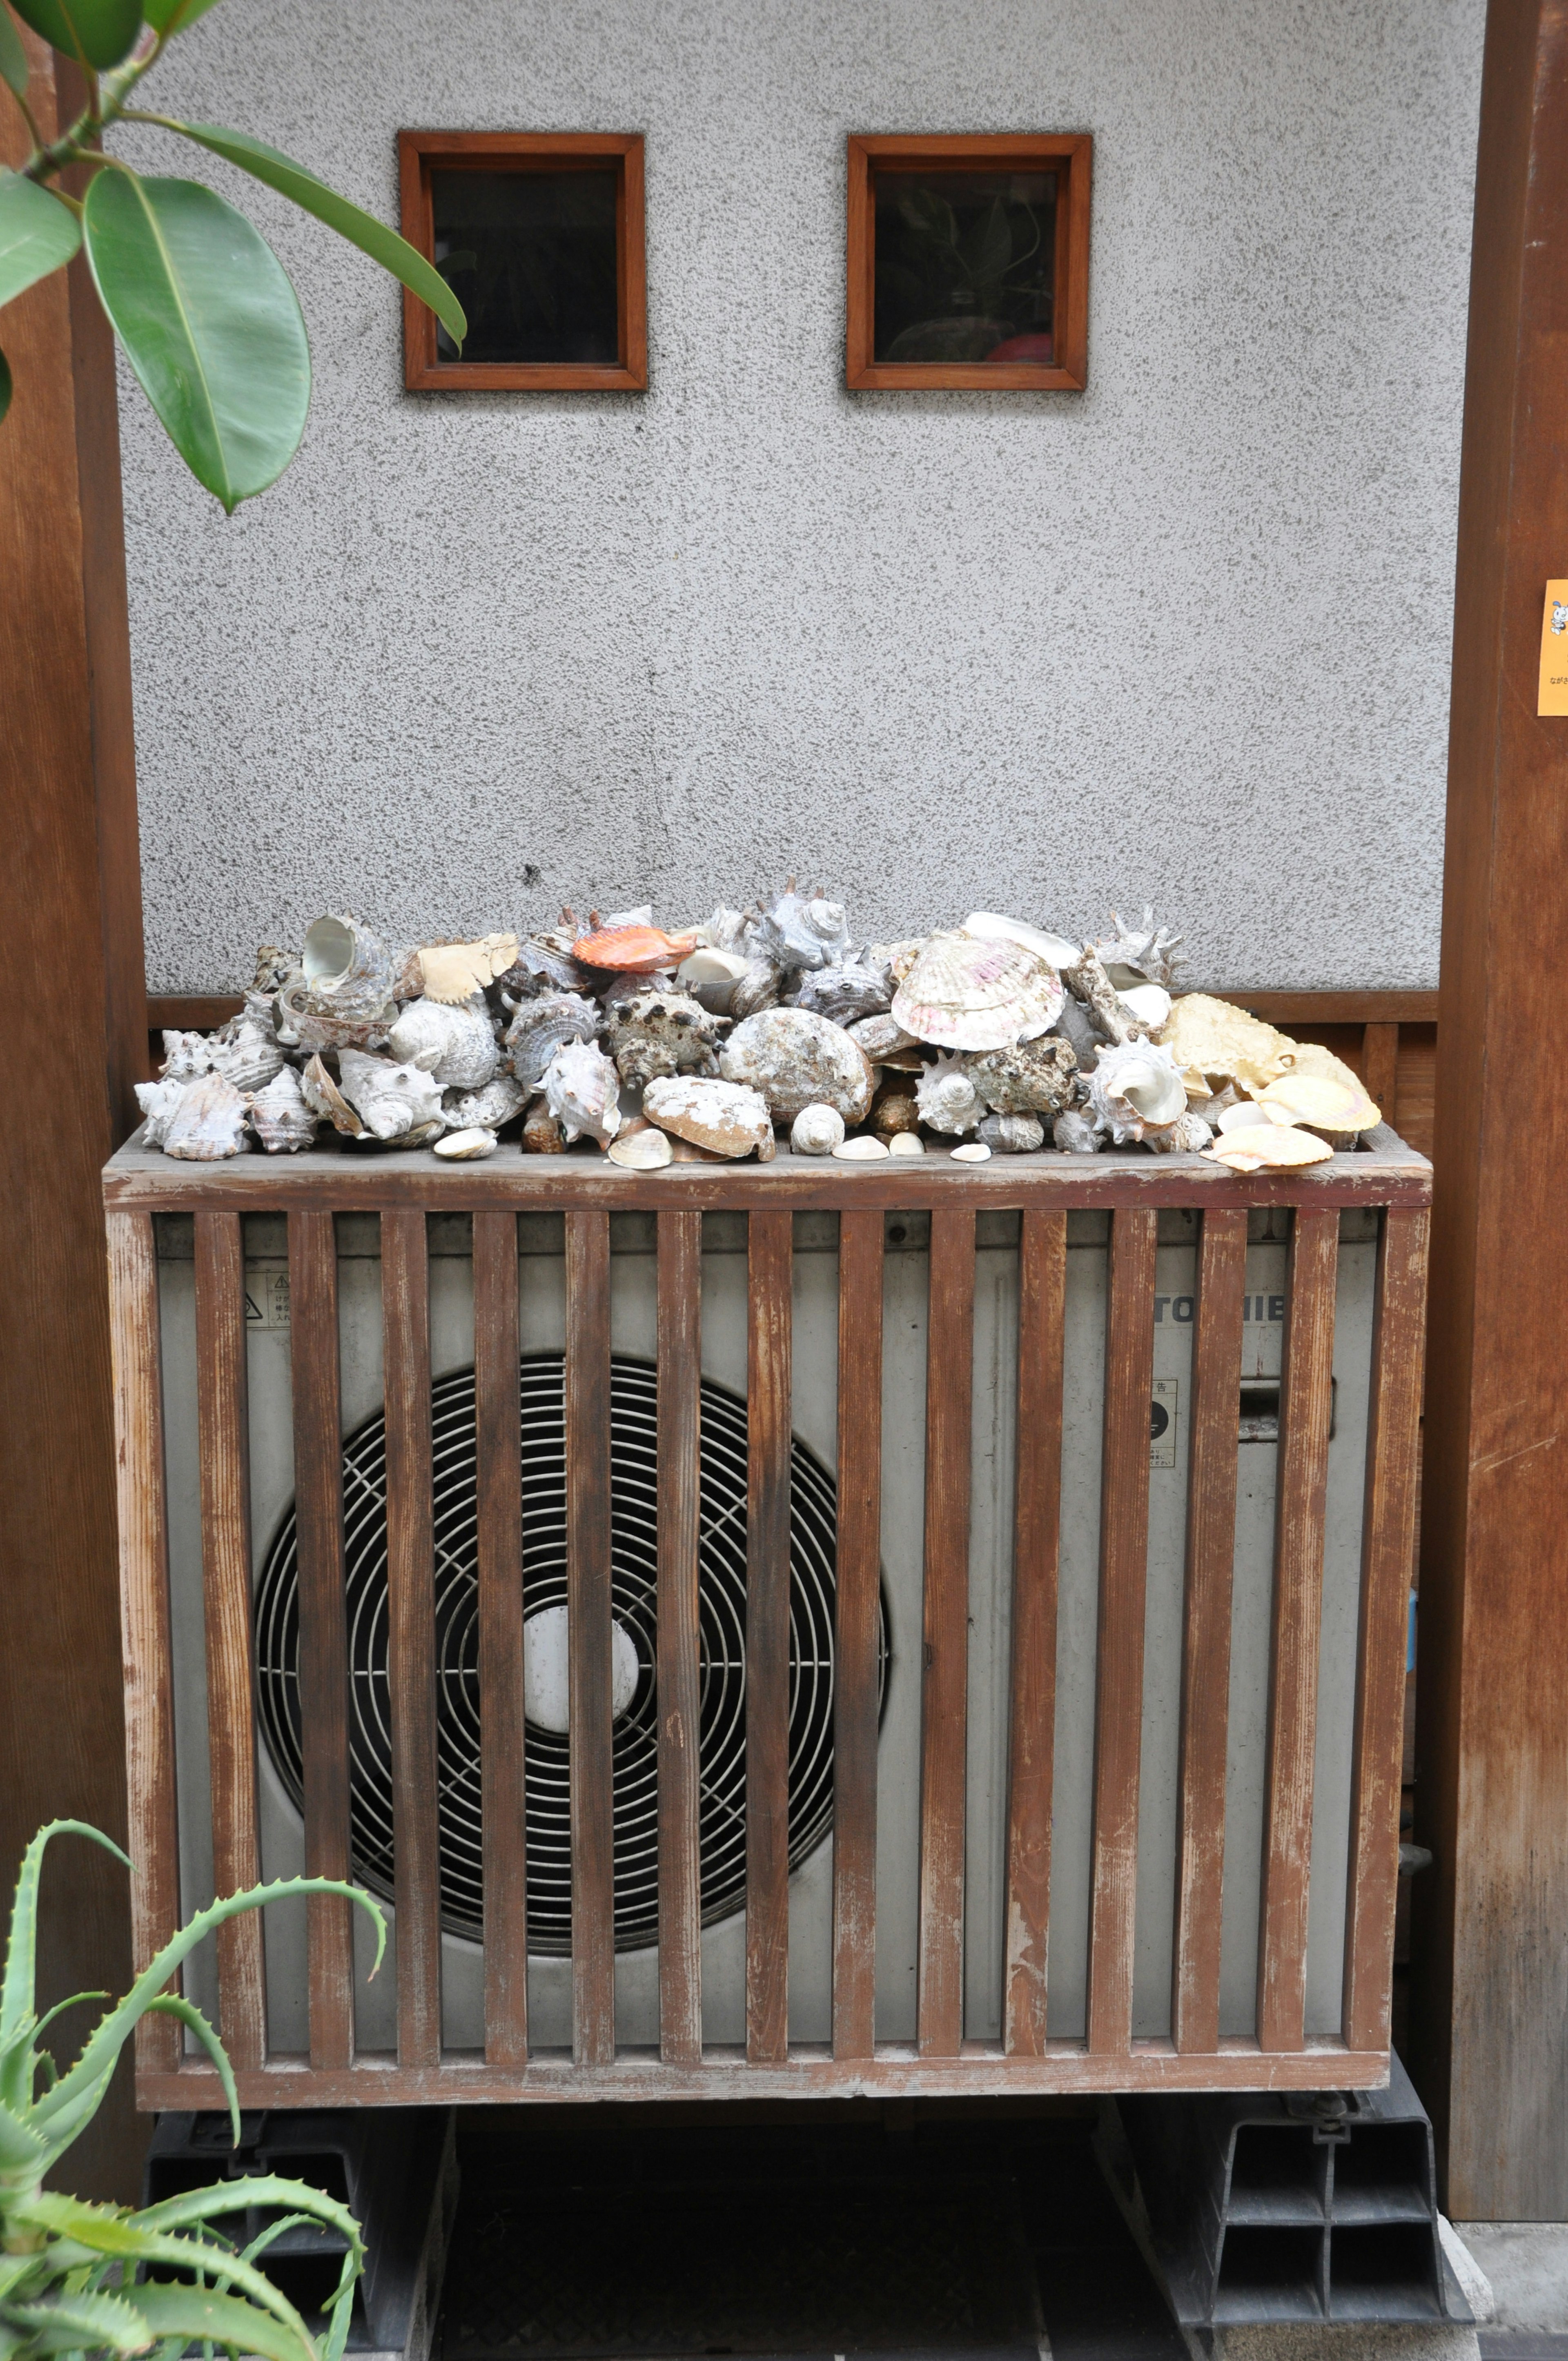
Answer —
633 950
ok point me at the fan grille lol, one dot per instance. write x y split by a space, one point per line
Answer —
721 1621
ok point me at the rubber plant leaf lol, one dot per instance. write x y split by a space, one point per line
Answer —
98 32
13 56
37 235
170 17
362 229
66 2324
203 2317
210 324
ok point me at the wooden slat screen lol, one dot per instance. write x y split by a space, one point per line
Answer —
679 1668
944 1714
770 1253
499 1446
857 1603
588 1610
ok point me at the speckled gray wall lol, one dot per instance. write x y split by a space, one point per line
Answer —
1184 637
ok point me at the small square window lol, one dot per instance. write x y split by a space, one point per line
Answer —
540 235
969 262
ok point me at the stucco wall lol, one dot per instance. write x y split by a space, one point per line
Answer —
1184 637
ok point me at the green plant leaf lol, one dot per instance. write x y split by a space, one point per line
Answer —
193 2207
211 2319
210 324
361 229
98 32
13 56
5 388
65 2324
107 2231
172 2005
23 2153
37 235
170 17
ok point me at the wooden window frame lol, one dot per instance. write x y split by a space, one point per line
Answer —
527 151
1070 156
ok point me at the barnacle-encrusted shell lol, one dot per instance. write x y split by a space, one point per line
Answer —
1135 1087
454 971
582 1090
647 1150
1214 1043
947 1099
324 1099
1058 951
391 1098
1142 954
200 1120
467 1147
1107 1012
453 1042
1268 1147
279 1116
1032 1078
801 930
654 1032
725 1117
886 1043
759 988
1075 1133
964 994
1011 1135
542 1027
816 1131
1185 1136
633 950
797 1060
485 1110
844 990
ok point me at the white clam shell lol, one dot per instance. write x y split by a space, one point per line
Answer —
906 1143
1149 1003
816 1131
862 1150
467 1147
1059 950
1241 1117
797 1059
711 976
973 1151
642 1151
967 993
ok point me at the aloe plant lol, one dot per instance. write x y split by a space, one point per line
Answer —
207 313
70 2272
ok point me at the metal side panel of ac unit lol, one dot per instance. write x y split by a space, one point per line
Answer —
542 1298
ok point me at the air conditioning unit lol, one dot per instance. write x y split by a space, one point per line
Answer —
1030 1555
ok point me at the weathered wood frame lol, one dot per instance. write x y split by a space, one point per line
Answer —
310 1188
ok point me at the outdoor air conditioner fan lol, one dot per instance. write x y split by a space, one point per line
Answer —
722 1613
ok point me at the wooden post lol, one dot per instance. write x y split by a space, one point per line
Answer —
1490 1951
71 919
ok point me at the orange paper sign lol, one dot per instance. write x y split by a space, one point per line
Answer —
1553 696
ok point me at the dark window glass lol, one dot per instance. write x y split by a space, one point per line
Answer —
531 258
965 266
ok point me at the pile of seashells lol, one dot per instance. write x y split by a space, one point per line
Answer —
991 1037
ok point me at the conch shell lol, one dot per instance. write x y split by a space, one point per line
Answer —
964 994
545 1026
633 950
796 1060
1214 1043
200 1120
1011 1135
816 1131
453 1042
1032 1078
1268 1147
454 971
1188 1135
947 1099
1143 954
485 1109
246 1050
1134 1089
582 1091
392 1100
757 989
724 1117
342 998
844 990
279 1116
711 976
1077 1134
801 930
654 1032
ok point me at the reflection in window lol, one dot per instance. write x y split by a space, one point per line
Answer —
531 258
965 266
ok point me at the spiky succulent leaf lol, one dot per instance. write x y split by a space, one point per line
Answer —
66 2324
173 2005
205 2316
16 1986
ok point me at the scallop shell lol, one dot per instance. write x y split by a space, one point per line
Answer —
654 1033
862 1149
467 1147
633 950
1135 1088
454 971
1032 1078
485 1110
582 1090
1011 1135
541 1027
962 993
455 1042
973 1151
648 1150
391 1098
796 1060
1214 1043
1319 1103
324 1099
801 930
1143 954
1311 1061
1268 1147
725 1117
886 1043
279 1116
947 1099
205 1123
844 991
1056 951
1075 1133
816 1131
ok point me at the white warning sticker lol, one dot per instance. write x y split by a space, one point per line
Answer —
267 1295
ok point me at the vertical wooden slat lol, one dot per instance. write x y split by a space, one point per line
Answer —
497 1434
768 1421
224 1452
1036 1551
411 1621
1305 1402
323 1637
144 1611
1381 1066
1387 1547
856 1698
1119 1681
589 1623
1206 1637
950 1360
679 1677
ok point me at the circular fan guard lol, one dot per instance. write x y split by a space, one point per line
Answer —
634 1549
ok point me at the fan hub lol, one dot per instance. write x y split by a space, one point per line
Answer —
546 1677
